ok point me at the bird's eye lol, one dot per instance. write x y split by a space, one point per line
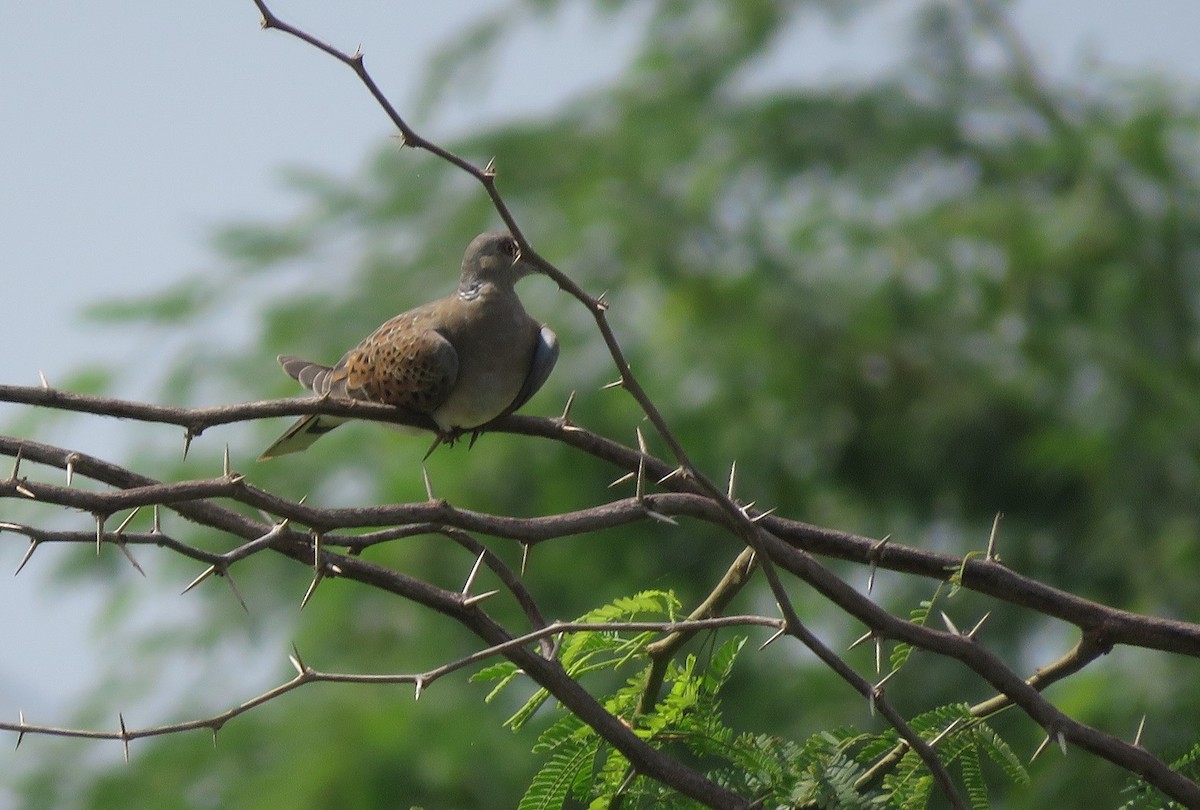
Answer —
511 248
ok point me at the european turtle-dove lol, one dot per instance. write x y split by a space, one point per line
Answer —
462 360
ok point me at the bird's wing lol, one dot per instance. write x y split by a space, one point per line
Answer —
403 363
545 355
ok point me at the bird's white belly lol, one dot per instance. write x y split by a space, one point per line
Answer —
477 399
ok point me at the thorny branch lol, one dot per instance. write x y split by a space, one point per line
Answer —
775 545
305 674
193 500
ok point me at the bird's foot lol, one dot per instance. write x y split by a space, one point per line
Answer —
448 438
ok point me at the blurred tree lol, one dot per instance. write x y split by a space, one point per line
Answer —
902 304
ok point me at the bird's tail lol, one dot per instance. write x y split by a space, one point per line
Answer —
305 431
313 376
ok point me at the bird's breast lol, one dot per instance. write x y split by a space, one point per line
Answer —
494 338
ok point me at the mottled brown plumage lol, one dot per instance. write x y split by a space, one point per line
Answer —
461 360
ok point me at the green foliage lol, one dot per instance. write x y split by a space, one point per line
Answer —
1143 797
842 768
920 617
581 653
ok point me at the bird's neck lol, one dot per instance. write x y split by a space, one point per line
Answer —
478 290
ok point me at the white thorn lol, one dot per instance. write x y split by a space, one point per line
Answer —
627 476
971 633
774 637
991 546
659 516
1040 749
127 520
670 475
466 588
479 597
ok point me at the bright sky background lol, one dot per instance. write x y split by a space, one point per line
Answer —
128 130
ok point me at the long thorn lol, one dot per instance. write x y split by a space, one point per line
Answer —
466 588
863 639
33 544
124 737
228 575
774 636
886 678
208 572
874 554
941 735
312 588
297 661
129 556
659 516
126 521
949 624
1040 749
566 414
762 515
627 476
670 475
479 597
639 489
991 546
971 633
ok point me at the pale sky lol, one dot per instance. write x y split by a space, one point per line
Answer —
128 130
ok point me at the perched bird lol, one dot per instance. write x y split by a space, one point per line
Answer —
462 360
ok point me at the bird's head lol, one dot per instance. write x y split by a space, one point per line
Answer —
493 258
